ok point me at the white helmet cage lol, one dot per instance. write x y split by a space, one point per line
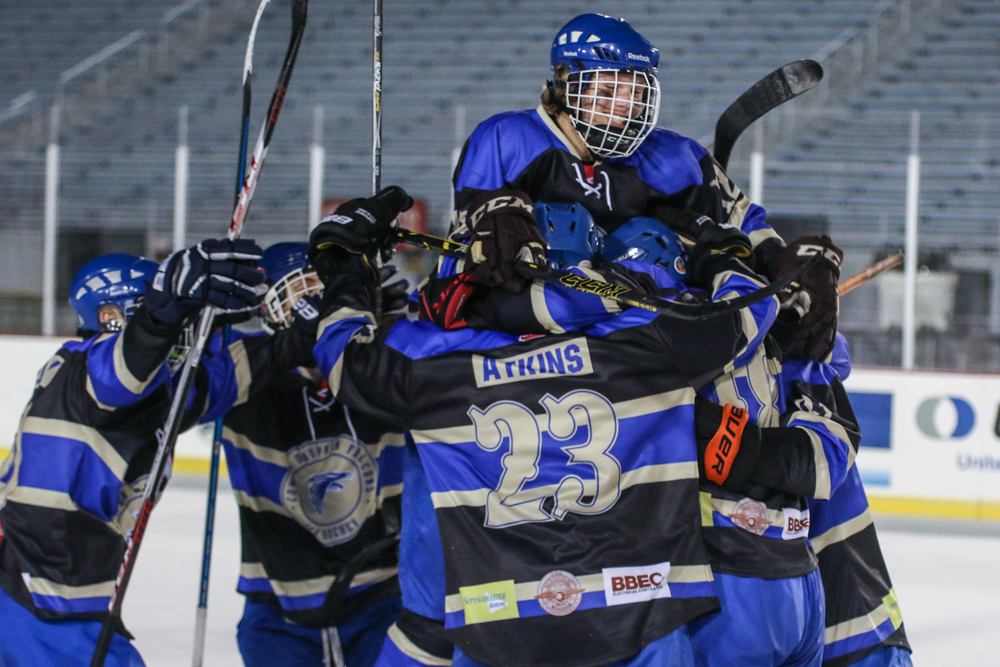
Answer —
278 302
614 110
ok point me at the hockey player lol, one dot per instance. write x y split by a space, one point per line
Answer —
318 490
593 140
71 486
864 626
572 532
765 572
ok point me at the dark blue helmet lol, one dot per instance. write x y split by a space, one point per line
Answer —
287 268
647 240
282 258
570 233
117 279
596 41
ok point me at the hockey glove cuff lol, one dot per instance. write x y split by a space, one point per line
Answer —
728 443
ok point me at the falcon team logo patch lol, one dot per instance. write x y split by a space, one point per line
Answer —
559 593
129 503
751 515
330 487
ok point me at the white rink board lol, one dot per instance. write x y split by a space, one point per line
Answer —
21 357
942 439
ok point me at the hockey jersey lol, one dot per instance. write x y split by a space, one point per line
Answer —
526 150
318 490
757 532
545 459
862 613
71 487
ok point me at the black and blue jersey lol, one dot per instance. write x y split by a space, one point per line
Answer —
526 150
562 469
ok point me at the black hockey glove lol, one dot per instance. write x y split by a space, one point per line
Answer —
395 296
220 273
810 306
358 227
728 443
504 232
705 240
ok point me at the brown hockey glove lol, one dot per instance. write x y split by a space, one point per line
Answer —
504 232
728 443
810 305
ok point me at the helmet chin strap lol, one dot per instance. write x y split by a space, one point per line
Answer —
573 136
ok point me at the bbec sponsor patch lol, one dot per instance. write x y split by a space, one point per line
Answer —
626 585
796 523
571 357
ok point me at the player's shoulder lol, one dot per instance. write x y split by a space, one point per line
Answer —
421 339
523 118
662 138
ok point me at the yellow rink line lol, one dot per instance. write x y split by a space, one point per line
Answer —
946 509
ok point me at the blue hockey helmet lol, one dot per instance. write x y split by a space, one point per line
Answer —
286 267
647 240
118 280
596 41
570 233
281 259
605 80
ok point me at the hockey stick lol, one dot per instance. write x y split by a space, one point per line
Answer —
773 90
623 295
880 267
168 435
201 612
377 129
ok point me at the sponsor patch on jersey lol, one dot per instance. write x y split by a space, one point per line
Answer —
330 487
796 523
559 593
568 358
751 515
627 585
494 601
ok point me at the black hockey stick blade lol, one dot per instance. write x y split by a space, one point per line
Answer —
773 90
623 295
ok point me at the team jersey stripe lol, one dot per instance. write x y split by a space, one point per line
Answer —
56 500
684 581
255 477
841 532
260 503
863 631
414 652
263 454
304 593
653 474
86 435
110 382
241 371
64 598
